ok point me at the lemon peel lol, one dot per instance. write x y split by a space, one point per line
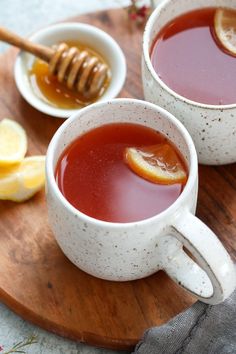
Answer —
13 142
157 164
225 28
22 181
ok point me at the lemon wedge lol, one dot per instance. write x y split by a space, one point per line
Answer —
22 181
225 28
13 142
157 163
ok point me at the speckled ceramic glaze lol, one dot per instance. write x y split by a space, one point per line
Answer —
212 127
127 251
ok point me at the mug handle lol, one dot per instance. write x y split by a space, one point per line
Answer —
211 275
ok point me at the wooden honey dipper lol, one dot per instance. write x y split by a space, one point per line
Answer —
79 70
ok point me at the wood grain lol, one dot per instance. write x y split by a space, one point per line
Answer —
36 279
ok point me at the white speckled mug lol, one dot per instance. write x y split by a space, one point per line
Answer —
127 251
212 127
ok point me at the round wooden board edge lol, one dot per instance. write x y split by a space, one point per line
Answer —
23 312
87 338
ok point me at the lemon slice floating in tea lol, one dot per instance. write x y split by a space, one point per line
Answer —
225 28
22 181
13 143
157 163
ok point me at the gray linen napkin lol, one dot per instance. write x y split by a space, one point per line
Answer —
201 329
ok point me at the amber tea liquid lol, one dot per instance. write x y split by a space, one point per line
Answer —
188 58
94 177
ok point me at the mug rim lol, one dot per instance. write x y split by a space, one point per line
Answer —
193 164
146 37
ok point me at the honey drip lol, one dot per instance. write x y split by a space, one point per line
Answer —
57 94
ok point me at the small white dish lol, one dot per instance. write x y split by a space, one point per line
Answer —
92 36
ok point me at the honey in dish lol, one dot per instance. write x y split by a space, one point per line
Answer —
49 89
94 177
188 57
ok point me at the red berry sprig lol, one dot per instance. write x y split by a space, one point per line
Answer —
138 13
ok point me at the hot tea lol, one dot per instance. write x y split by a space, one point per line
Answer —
95 175
190 59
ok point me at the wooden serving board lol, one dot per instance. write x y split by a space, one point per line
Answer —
36 279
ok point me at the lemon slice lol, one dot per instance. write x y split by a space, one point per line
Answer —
157 163
13 142
225 28
22 181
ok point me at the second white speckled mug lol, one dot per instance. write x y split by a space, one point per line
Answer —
127 251
212 127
